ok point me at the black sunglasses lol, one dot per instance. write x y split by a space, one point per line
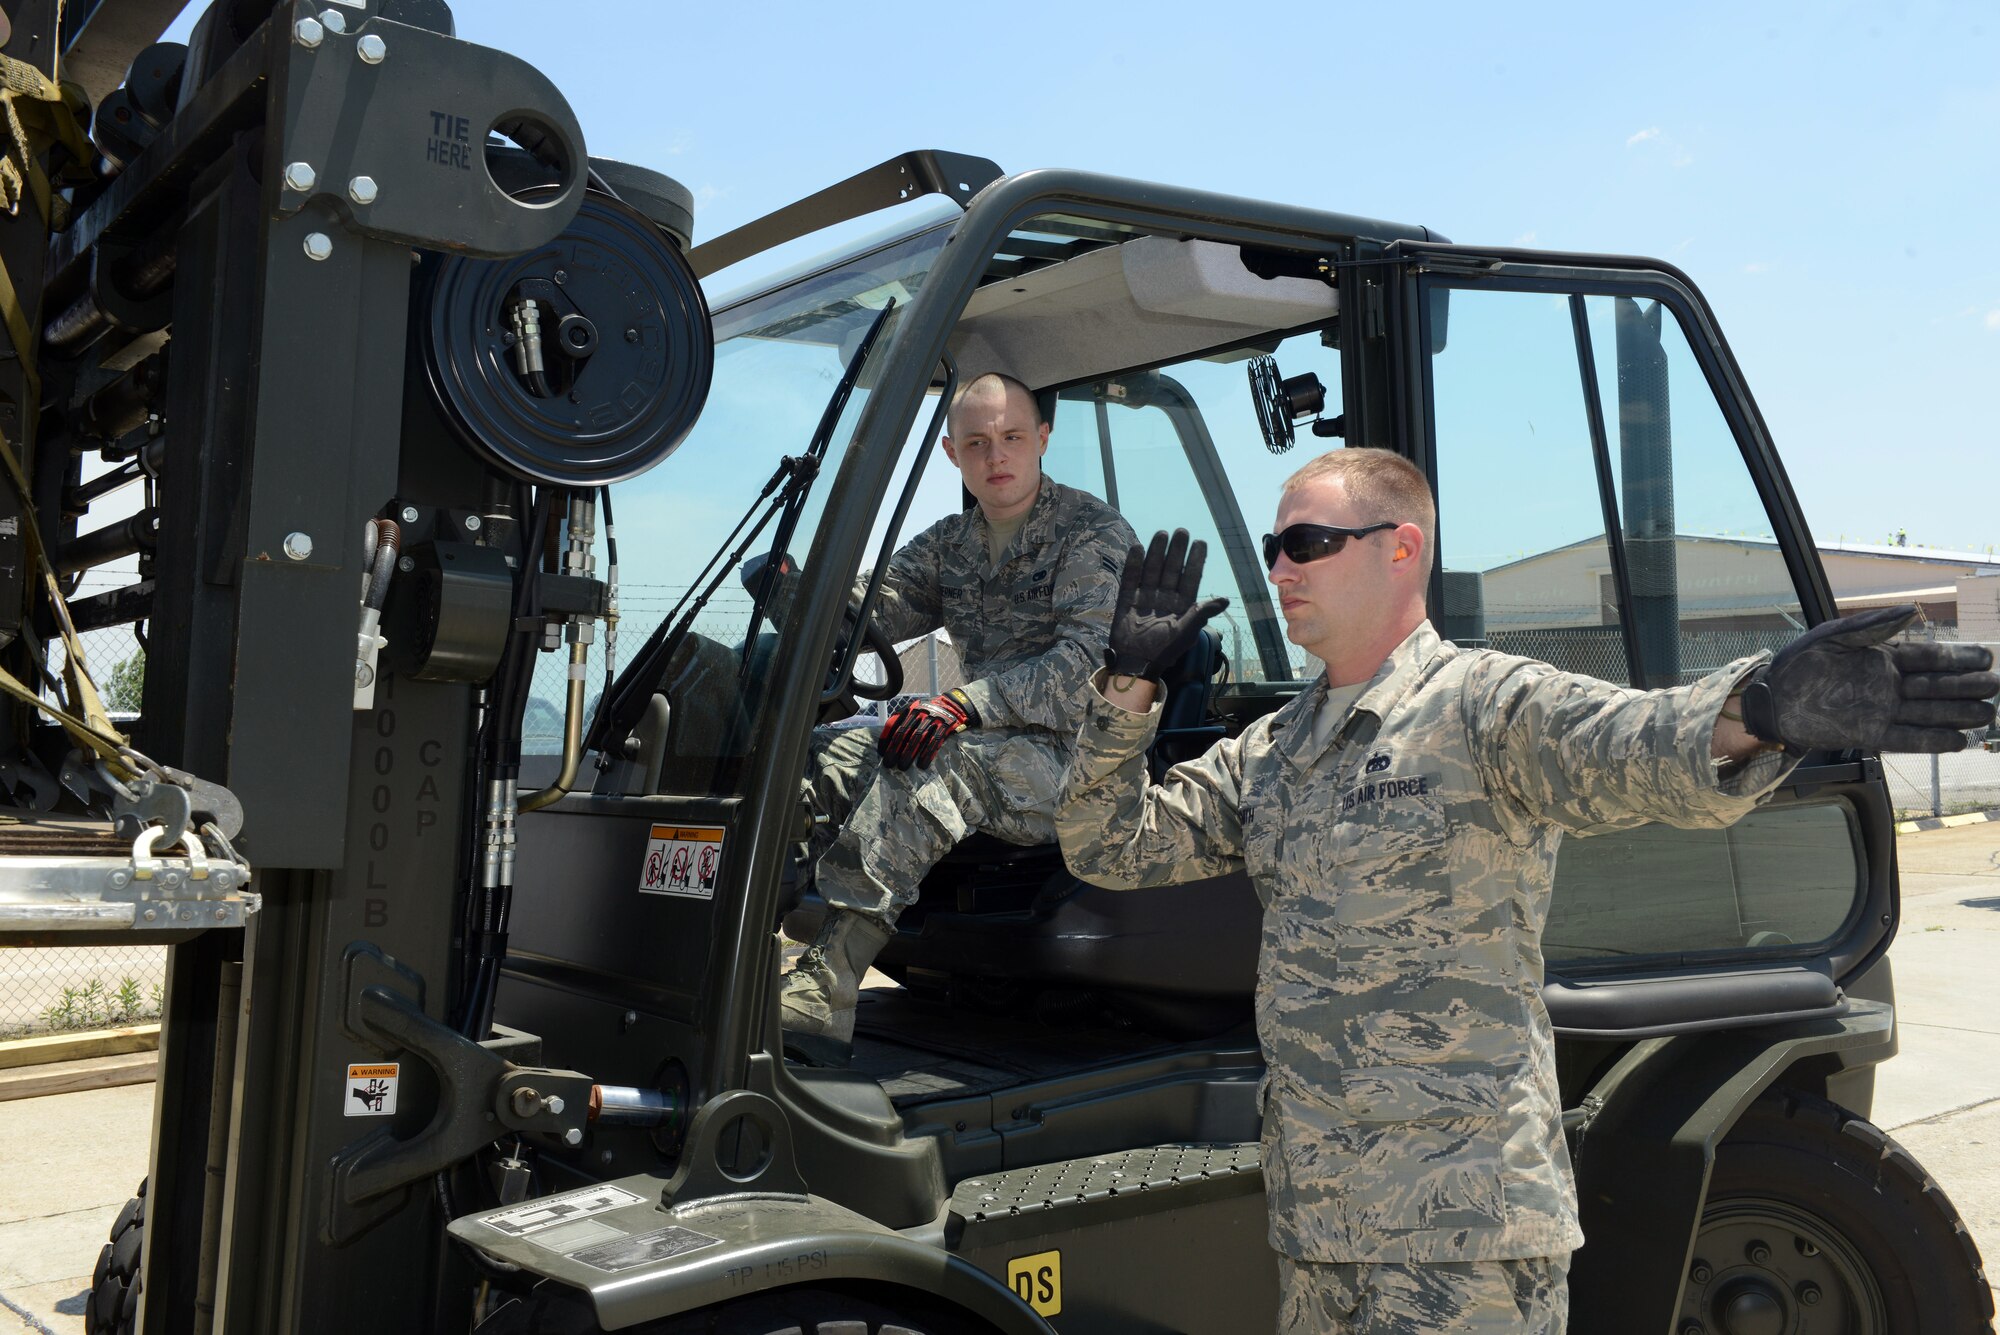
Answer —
1312 542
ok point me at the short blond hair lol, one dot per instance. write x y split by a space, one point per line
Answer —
1385 486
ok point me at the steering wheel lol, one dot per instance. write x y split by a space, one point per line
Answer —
761 570
885 649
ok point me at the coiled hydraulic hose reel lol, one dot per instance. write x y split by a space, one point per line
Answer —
580 364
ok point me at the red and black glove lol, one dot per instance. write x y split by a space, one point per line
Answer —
914 733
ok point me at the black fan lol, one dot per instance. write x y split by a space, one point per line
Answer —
1281 403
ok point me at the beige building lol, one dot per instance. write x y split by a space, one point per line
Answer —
1740 583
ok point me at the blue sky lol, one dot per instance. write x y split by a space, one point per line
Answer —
1828 173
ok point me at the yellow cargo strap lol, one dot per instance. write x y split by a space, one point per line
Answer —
35 112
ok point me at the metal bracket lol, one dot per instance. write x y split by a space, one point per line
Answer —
388 123
901 179
739 1141
480 1096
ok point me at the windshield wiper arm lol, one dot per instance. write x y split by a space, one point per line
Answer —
785 491
822 437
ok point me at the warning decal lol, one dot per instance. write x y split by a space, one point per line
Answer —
682 860
1037 1281
371 1089
533 1216
631 1253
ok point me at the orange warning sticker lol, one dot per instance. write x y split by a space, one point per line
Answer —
371 1089
682 860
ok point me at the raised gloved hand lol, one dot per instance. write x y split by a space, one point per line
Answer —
915 732
1157 616
1841 685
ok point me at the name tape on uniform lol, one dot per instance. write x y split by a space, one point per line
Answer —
682 860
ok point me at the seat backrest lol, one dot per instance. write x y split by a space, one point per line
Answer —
1189 685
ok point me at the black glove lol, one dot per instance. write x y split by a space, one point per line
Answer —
1157 617
915 732
1840 685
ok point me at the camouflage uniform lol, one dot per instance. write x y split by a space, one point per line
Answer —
1411 1109
1029 629
1525 1297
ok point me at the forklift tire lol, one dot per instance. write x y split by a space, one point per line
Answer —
113 1308
1818 1223
557 1310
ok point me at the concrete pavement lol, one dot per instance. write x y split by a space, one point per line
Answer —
69 1161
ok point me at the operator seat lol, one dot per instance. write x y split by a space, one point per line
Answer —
1180 958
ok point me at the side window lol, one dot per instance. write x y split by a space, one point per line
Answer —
1179 447
1595 512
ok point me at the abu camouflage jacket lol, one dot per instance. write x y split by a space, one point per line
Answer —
1411 1112
1029 630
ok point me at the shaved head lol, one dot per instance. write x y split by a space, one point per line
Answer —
993 384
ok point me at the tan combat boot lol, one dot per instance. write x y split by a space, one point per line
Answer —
816 999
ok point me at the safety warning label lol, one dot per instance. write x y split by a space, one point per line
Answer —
533 1216
371 1089
682 860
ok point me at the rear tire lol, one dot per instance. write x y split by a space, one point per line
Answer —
113 1308
1818 1222
557 1310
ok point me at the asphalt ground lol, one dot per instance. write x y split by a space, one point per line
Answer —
69 1161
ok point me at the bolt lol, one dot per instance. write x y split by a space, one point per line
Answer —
553 1105
1701 1274
527 1102
308 34
631 1017
631 336
362 190
1808 1294
472 523
334 20
298 546
406 564
371 49
121 879
1758 1252
300 176
958 1126
604 1157
409 514
318 245
572 1137
151 914
1692 1328
222 915
561 278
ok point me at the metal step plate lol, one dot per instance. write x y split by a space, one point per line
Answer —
1020 1191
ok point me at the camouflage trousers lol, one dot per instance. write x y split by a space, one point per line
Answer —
885 828
1457 1298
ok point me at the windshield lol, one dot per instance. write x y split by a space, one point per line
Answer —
778 360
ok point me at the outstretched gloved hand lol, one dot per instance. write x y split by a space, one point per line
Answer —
1841 685
914 733
1157 616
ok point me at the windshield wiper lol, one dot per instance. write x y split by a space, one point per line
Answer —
816 451
784 494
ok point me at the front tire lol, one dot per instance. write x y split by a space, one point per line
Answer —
1818 1223
113 1308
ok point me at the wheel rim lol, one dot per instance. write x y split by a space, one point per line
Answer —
1763 1267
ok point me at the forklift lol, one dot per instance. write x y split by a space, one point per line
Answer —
477 847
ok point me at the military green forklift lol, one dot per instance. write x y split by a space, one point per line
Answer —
471 1018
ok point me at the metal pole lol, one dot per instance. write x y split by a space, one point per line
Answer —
932 641
1937 796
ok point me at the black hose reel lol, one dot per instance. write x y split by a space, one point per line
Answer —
580 364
